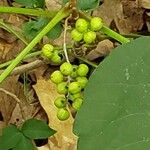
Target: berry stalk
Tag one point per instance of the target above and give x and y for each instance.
(59, 16)
(114, 35)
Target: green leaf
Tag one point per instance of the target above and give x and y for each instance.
(10, 137)
(55, 32)
(25, 144)
(85, 4)
(32, 28)
(32, 3)
(36, 129)
(116, 110)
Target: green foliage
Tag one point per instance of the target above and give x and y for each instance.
(24, 144)
(33, 27)
(11, 136)
(15, 139)
(85, 4)
(32, 3)
(36, 129)
(115, 113)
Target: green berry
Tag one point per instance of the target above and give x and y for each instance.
(63, 114)
(74, 87)
(89, 37)
(76, 35)
(66, 68)
(81, 25)
(62, 88)
(77, 103)
(75, 96)
(96, 24)
(82, 81)
(56, 58)
(60, 102)
(74, 71)
(47, 50)
(82, 70)
(57, 77)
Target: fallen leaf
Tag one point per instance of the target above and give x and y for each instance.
(103, 49)
(7, 102)
(126, 14)
(64, 139)
(53, 4)
(144, 3)
(129, 17)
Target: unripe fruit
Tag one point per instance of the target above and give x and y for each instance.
(75, 96)
(62, 88)
(76, 35)
(63, 114)
(96, 24)
(56, 58)
(47, 50)
(57, 77)
(81, 25)
(89, 37)
(74, 71)
(82, 81)
(66, 68)
(49, 47)
(82, 70)
(77, 103)
(60, 102)
(74, 87)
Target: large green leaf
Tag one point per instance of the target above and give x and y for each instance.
(36, 129)
(116, 110)
(10, 137)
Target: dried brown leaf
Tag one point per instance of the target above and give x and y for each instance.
(127, 15)
(129, 18)
(103, 49)
(144, 3)
(64, 139)
(53, 4)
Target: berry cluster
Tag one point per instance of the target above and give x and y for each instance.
(49, 52)
(85, 30)
(70, 81)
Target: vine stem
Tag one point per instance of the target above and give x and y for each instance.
(87, 61)
(27, 11)
(114, 35)
(59, 16)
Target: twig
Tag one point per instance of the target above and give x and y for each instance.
(16, 99)
(27, 67)
(10, 94)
